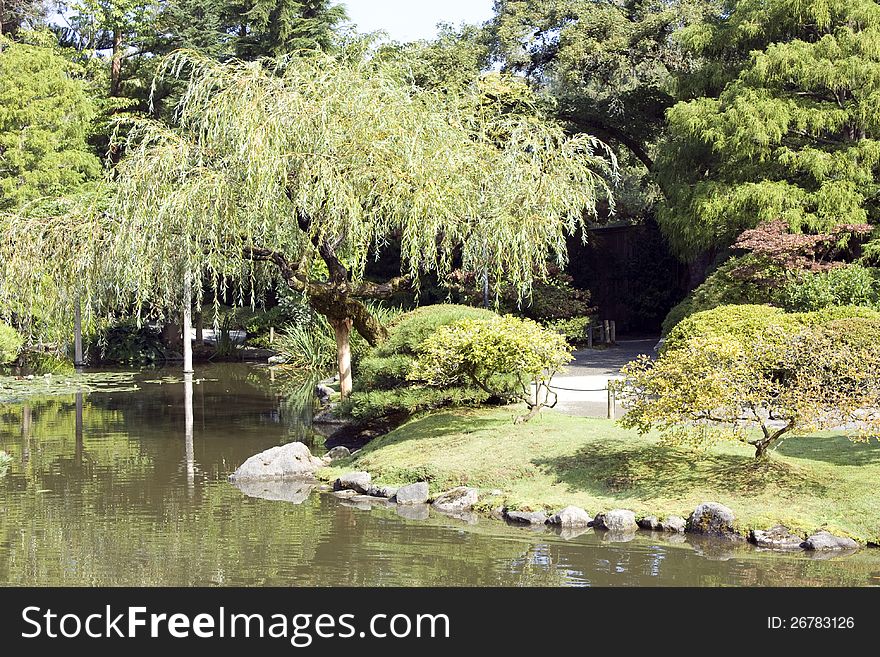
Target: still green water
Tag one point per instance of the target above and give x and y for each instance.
(106, 488)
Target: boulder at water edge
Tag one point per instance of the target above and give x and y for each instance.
(570, 516)
(338, 452)
(526, 517)
(775, 538)
(456, 500)
(712, 519)
(290, 461)
(675, 524)
(412, 494)
(620, 521)
(359, 481)
(827, 541)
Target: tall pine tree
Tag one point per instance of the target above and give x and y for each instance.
(782, 122)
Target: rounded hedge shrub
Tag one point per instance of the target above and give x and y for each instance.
(749, 324)
(387, 365)
(10, 344)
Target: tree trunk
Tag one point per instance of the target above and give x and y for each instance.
(342, 329)
(761, 449)
(116, 64)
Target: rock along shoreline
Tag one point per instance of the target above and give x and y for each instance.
(293, 462)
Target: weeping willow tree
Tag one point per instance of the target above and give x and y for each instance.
(300, 170)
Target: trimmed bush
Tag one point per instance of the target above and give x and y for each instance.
(750, 323)
(805, 376)
(10, 344)
(503, 356)
(387, 365)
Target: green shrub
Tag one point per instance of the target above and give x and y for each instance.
(823, 376)
(575, 330)
(365, 405)
(10, 344)
(502, 356)
(128, 343)
(742, 280)
(851, 285)
(750, 323)
(745, 323)
(387, 365)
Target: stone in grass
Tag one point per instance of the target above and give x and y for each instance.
(775, 538)
(712, 519)
(525, 517)
(359, 481)
(456, 500)
(413, 493)
(570, 516)
(619, 521)
(674, 524)
(824, 540)
(290, 461)
(338, 452)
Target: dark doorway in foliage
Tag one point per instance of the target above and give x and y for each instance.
(632, 277)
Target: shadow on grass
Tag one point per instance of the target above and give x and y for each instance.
(834, 449)
(617, 468)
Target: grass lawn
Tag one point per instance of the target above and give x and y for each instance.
(823, 481)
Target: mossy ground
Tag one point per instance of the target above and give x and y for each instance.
(824, 481)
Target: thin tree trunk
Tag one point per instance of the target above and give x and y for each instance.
(187, 324)
(342, 329)
(116, 64)
(77, 334)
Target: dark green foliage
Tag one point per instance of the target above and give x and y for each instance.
(128, 343)
(741, 280)
(408, 400)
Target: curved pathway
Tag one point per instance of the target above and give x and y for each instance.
(581, 386)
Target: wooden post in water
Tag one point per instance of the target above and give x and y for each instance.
(188, 430)
(77, 334)
(187, 324)
(78, 429)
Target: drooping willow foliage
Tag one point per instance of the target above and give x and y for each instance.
(305, 168)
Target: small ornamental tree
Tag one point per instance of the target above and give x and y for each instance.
(821, 377)
(506, 357)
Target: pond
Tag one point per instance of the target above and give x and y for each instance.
(105, 488)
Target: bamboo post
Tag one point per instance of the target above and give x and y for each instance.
(613, 332)
(187, 324)
(77, 334)
(612, 402)
(271, 335)
(607, 326)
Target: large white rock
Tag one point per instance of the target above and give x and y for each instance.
(457, 500)
(570, 516)
(290, 461)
